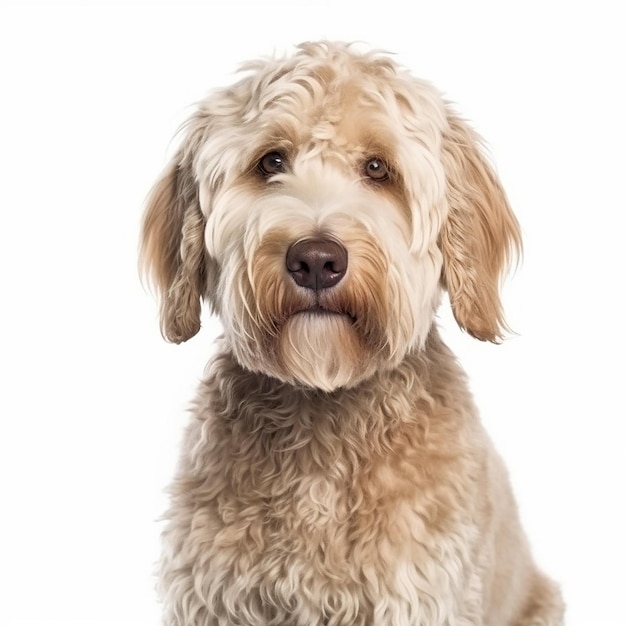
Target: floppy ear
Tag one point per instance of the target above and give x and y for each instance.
(480, 236)
(172, 247)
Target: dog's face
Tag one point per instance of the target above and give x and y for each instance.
(321, 205)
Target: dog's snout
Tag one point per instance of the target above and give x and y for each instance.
(317, 263)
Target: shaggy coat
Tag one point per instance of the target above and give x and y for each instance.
(335, 471)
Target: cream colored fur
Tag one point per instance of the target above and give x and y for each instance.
(335, 471)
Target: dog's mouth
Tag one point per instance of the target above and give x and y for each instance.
(319, 310)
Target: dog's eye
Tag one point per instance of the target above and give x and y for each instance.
(272, 163)
(376, 169)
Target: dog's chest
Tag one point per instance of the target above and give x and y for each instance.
(322, 520)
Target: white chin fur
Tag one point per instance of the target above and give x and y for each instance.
(321, 351)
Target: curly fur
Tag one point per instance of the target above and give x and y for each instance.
(335, 471)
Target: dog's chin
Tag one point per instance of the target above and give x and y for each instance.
(321, 349)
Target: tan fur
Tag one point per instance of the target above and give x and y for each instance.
(479, 236)
(172, 250)
(335, 471)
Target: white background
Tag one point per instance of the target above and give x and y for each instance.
(93, 402)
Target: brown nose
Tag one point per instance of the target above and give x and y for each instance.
(317, 263)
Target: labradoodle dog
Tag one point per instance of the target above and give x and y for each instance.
(335, 471)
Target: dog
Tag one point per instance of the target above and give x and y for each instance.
(335, 471)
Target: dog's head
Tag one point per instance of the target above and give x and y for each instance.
(320, 205)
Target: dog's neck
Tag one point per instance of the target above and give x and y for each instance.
(264, 403)
(253, 427)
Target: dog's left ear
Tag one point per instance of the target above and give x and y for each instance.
(479, 237)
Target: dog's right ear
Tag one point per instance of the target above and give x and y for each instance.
(173, 254)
